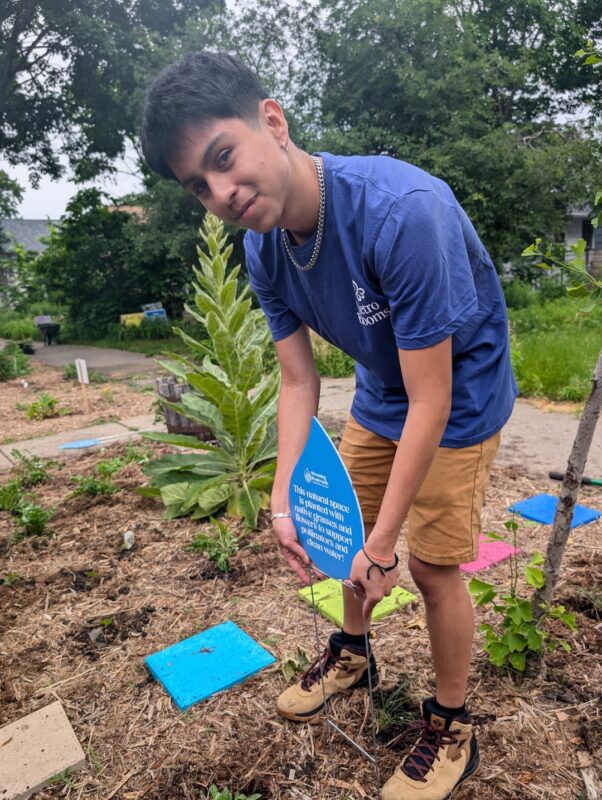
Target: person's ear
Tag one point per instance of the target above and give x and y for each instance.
(272, 115)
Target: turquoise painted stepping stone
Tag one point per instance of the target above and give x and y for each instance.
(542, 508)
(196, 668)
(328, 596)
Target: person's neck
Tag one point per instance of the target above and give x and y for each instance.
(303, 204)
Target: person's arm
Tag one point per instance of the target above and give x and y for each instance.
(427, 376)
(297, 404)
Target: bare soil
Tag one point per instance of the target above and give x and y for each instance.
(85, 613)
(108, 402)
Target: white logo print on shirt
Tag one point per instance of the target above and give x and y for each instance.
(370, 313)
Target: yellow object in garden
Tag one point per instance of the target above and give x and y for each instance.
(131, 319)
(328, 596)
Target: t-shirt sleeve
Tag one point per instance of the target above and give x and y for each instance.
(281, 320)
(424, 269)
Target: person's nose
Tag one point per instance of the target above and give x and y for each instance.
(223, 192)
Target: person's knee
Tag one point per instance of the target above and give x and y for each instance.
(434, 581)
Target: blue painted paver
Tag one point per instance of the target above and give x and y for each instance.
(542, 508)
(196, 668)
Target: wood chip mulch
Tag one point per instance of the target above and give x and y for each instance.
(540, 735)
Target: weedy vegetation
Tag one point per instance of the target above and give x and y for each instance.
(219, 546)
(517, 634)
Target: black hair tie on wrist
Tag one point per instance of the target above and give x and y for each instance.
(379, 567)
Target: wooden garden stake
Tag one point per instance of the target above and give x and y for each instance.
(84, 380)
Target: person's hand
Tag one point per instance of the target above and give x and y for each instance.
(290, 547)
(372, 588)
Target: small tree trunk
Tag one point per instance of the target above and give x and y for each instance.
(569, 492)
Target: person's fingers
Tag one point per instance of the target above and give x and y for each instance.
(296, 566)
(298, 551)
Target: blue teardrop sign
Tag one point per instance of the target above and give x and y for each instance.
(324, 506)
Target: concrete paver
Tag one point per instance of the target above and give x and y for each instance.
(5, 462)
(34, 749)
(48, 446)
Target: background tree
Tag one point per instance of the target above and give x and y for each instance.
(471, 91)
(70, 72)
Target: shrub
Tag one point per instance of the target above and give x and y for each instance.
(33, 470)
(93, 486)
(13, 362)
(45, 408)
(10, 495)
(239, 471)
(518, 294)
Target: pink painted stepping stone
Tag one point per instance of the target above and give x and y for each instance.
(490, 553)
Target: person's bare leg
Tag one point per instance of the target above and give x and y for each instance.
(353, 618)
(450, 621)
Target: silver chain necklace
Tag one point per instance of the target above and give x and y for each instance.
(316, 251)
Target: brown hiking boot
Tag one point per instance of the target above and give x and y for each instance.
(348, 669)
(444, 756)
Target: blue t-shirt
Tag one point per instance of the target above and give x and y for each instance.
(400, 266)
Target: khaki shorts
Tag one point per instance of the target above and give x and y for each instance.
(445, 518)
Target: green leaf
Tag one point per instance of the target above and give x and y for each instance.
(578, 290)
(535, 640)
(526, 610)
(209, 386)
(518, 661)
(237, 413)
(498, 650)
(179, 439)
(535, 577)
(537, 559)
(148, 491)
(475, 586)
(494, 537)
(516, 642)
(515, 614)
(211, 496)
(569, 620)
(250, 503)
(565, 645)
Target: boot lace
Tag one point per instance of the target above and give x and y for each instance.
(426, 750)
(322, 666)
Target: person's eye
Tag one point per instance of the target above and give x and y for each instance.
(223, 158)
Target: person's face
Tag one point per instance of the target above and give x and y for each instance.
(238, 170)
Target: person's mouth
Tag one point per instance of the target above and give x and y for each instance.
(245, 210)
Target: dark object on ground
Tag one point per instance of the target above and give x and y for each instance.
(49, 331)
(27, 348)
(559, 476)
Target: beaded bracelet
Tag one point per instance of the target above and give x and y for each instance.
(380, 568)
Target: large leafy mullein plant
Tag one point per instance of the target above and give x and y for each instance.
(229, 393)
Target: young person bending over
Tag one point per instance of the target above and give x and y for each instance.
(377, 257)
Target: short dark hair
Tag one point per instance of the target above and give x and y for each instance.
(200, 88)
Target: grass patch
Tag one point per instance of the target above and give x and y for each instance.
(555, 349)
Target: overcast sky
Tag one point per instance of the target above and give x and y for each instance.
(50, 199)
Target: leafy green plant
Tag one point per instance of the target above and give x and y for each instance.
(229, 393)
(518, 634)
(295, 663)
(93, 486)
(32, 468)
(45, 408)
(226, 794)
(219, 547)
(109, 467)
(32, 519)
(11, 495)
(13, 362)
(70, 374)
(10, 579)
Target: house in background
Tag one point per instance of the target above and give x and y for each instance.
(579, 226)
(28, 233)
